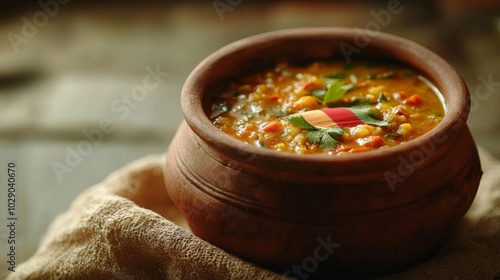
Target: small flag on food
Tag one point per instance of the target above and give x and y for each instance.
(339, 117)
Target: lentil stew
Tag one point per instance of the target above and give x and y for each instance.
(328, 107)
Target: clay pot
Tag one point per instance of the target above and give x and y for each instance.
(349, 216)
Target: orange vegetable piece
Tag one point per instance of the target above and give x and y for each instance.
(273, 127)
(374, 142)
(274, 97)
(312, 85)
(413, 100)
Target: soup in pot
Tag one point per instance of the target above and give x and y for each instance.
(328, 107)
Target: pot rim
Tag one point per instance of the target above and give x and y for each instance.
(441, 73)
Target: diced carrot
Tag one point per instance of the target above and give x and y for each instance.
(312, 85)
(413, 100)
(270, 141)
(274, 97)
(272, 127)
(374, 142)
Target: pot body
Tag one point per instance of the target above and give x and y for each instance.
(350, 222)
(349, 216)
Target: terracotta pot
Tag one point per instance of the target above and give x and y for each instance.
(349, 216)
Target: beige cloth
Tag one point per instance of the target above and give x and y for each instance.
(127, 228)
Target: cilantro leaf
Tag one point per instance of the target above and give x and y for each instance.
(368, 116)
(330, 79)
(334, 76)
(335, 132)
(300, 121)
(382, 98)
(392, 135)
(336, 91)
(348, 67)
(328, 143)
(326, 138)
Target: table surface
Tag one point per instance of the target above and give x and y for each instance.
(71, 105)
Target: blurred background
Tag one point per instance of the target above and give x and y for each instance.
(87, 87)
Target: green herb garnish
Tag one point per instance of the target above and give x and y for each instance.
(300, 121)
(392, 135)
(334, 76)
(348, 67)
(325, 137)
(368, 116)
(382, 98)
(336, 91)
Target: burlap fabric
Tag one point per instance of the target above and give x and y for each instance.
(127, 228)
